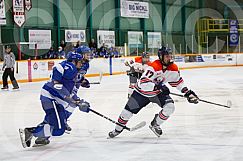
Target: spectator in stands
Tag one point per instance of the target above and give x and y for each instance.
(51, 54)
(8, 68)
(61, 53)
(134, 53)
(93, 45)
(116, 53)
(77, 44)
(103, 51)
(94, 53)
(111, 51)
(63, 45)
(93, 48)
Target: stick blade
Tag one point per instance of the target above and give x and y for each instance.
(229, 103)
(138, 126)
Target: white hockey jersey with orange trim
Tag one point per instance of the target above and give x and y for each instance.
(154, 74)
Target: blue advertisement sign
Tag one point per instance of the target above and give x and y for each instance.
(233, 33)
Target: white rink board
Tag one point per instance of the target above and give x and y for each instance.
(39, 68)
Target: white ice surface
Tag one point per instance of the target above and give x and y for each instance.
(201, 132)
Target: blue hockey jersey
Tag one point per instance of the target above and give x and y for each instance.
(63, 75)
(79, 79)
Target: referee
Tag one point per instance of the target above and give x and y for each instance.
(8, 68)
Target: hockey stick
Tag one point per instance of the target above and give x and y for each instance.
(138, 126)
(229, 103)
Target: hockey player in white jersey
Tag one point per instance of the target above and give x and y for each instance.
(136, 69)
(55, 98)
(151, 88)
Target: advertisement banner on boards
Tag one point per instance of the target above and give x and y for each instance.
(18, 12)
(41, 37)
(107, 37)
(154, 39)
(135, 9)
(135, 39)
(2, 13)
(75, 35)
(233, 33)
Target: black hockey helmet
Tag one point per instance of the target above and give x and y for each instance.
(145, 55)
(164, 51)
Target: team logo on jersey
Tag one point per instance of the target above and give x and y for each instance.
(66, 67)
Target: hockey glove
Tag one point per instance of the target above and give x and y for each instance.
(191, 97)
(85, 83)
(84, 106)
(165, 90)
(129, 62)
(134, 74)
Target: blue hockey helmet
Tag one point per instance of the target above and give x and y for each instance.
(74, 56)
(164, 51)
(83, 49)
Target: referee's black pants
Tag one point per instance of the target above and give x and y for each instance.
(8, 72)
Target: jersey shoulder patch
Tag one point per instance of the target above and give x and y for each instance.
(156, 65)
(173, 67)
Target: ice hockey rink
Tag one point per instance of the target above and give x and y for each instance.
(201, 132)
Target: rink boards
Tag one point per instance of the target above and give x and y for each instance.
(39, 70)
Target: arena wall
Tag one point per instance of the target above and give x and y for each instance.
(39, 70)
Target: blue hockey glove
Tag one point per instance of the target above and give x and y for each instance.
(161, 86)
(84, 106)
(191, 97)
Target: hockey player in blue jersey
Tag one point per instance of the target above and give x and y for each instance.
(85, 52)
(56, 96)
(80, 80)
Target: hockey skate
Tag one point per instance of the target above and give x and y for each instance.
(26, 136)
(15, 88)
(114, 133)
(68, 128)
(41, 141)
(155, 127)
(4, 88)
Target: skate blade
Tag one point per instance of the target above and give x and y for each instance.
(5, 89)
(15, 90)
(67, 132)
(38, 145)
(152, 129)
(22, 138)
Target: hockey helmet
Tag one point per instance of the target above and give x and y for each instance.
(74, 56)
(162, 52)
(145, 55)
(83, 49)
